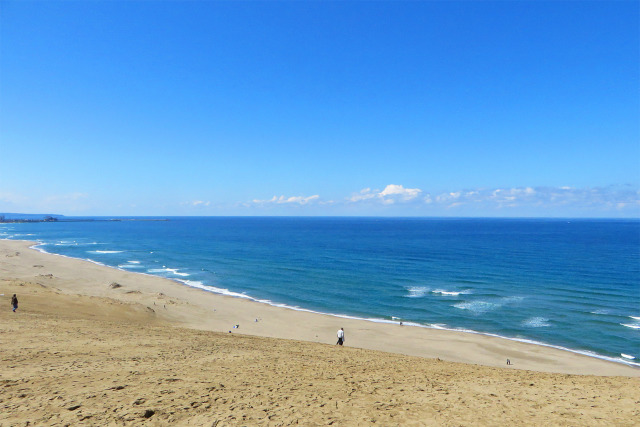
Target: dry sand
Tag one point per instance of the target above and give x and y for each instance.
(149, 351)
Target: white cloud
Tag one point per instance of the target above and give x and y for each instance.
(365, 194)
(392, 193)
(399, 190)
(449, 198)
(510, 195)
(540, 201)
(196, 203)
(300, 200)
(599, 198)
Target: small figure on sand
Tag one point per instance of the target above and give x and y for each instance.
(508, 362)
(14, 302)
(340, 337)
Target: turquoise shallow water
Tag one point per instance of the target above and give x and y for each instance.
(568, 283)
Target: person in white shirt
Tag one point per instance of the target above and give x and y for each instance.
(340, 337)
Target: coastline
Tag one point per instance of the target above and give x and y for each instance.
(408, 324)
(178, 304)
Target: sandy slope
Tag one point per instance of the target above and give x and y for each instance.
(64, 360)
(80, 351)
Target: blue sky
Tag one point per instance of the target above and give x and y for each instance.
(473, 108)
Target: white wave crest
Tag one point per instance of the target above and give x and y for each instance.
(627, 356)
(450, 293)
(441, 326)
(635, 318)
(417, 291)
(105, 252)
(200, 285)
(536, 322)
(173, 271)
(632, 326)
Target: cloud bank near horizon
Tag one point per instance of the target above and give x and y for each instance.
(615, 200)
(393, 199)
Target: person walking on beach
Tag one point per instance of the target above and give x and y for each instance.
(14, 302)
(340, 336)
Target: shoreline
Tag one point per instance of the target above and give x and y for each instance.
(232, 294)
(224, 292)
(198, 308)
(389, 322)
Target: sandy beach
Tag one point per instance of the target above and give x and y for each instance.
(92, 345)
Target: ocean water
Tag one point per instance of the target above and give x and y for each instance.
(573, 284)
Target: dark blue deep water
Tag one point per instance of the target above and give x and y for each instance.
(567, 283)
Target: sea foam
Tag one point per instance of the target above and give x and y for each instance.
(173, 271)
(133, 266)
(477, 307)
(450, 293)
(481, 307)
(536, 322)
(417, 291)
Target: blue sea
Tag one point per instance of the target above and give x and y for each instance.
(568, 283)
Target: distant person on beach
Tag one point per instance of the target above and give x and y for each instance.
(14, 302)
(340, 337)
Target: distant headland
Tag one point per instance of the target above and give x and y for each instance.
(8, 218)
(17, 218)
